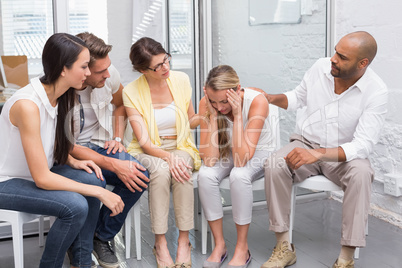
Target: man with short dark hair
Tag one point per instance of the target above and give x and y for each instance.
(99, 123)
(343, 105)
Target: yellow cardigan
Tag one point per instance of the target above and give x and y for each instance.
(137, 95)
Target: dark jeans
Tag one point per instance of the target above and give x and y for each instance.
(76, 215)
(107, 226)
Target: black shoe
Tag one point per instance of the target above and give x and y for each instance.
(104, 253)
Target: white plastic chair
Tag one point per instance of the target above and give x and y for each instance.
(315, 183)
(17, 220)
(133, 215)
(258, 184)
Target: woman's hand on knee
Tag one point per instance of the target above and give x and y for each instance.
(87, 165)
(179, 168)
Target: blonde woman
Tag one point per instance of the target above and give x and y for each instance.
(234, 142)
(160, 110)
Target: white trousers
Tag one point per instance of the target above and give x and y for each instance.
(241, 192)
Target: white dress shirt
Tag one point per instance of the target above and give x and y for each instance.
(352, 120)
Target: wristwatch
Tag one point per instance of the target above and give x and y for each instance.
(118, 139)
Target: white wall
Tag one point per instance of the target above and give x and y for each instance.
(273, 57)
(254, 48)
(383, 21)
(121, 16)
(120, 23)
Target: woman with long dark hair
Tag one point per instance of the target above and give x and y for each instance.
(34, 135)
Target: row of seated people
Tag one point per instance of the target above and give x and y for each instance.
(62, 143)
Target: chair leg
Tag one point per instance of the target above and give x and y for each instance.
(357, 251)
(212, 241)
(18, 247)
(52, 219)
(366, 231)
(196, 210)
(292, 212)
(41, 231)
(127, 234)
(137, 228)
(204, 230)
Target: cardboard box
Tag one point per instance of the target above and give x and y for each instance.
(16, 70)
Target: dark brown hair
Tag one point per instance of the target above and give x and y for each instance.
(142, 51)
(61, 50)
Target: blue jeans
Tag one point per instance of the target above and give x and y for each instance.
(107, 226)
(76, 215)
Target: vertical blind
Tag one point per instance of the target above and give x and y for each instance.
(26, 25)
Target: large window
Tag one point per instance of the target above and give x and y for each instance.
(26, 25)
(88, 15)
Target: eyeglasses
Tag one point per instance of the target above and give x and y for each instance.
(166, 60)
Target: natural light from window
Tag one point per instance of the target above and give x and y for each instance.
(25, 25)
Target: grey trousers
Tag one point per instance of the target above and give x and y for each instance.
(355, 177)
(161, 182)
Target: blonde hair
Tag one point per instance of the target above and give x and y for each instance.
(222, 77)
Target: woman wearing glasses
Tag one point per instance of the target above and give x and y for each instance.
(161, 114)
(234, 141)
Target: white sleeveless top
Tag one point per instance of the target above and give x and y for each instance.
(13, 163)
(265, 140)
(165, 119)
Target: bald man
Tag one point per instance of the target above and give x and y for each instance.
(342, 106)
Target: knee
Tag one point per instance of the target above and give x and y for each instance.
(360, 173)
(207, 178)
(240, 177)
(133, 159)
(146, 173)
(161, 176)
(273, 166)
(93, 180)
(75, 210)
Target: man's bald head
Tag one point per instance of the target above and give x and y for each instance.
(365, 44)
